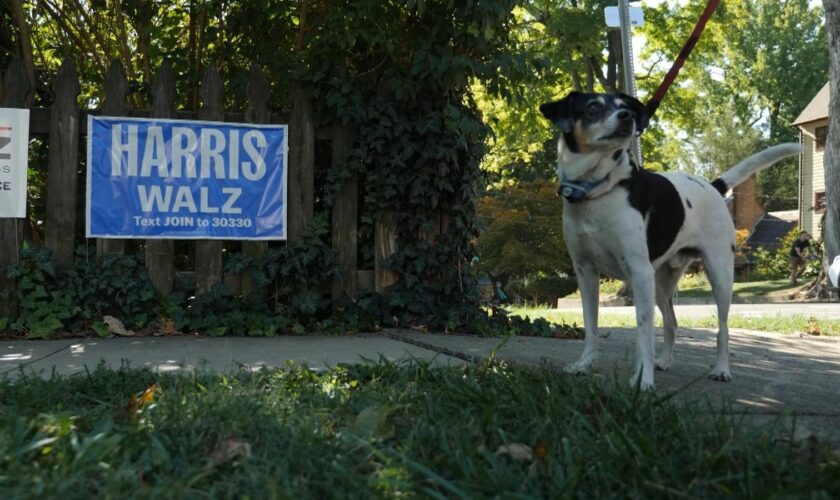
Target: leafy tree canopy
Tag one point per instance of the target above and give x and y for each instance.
(522, 234)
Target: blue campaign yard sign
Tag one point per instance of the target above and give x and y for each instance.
(178, 179)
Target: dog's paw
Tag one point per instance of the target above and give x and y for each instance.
(720, 374)
(580, 367)
(663, 364)
(644, 385)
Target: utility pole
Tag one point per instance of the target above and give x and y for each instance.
(627, 66)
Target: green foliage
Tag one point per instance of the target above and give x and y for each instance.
(45, 304)
(290, 286)
(776, 265)
(52, 301)
(115, 285)
(542, 288)
(757, 66)
(722, 141)
(523, 231)
(427, 87)
(297, 273)
(404, 86)
(398, 73)
(385, 431)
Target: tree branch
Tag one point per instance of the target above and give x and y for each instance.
(82, 44)
(25, 42)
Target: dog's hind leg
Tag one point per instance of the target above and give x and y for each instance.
(720, 271)
(667, 278)
(588, 282)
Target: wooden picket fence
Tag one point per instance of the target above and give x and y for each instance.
(64, 123)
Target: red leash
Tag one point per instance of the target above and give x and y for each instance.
(653, 103)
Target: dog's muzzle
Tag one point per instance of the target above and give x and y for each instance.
(577, 191)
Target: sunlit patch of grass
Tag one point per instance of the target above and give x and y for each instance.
(777, 324)
(697, 285)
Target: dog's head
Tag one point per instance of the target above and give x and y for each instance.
(595, 122)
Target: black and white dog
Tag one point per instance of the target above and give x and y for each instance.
(646, 228)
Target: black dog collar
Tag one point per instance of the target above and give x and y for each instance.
(577, 191)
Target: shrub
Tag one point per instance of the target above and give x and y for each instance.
(776, 265)
(541, 288)
(291, 295)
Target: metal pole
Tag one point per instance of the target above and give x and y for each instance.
(628, 70)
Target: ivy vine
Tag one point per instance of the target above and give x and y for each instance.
(404, 87)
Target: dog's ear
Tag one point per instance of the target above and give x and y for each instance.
(639, 109)
(561, 113)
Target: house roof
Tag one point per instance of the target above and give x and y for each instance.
(817, 109)
(786, 215)
(771, 228)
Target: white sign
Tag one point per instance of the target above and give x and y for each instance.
(14, 160)
(613, 18)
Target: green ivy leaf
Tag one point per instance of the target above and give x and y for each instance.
(217, 331)
(100, 328)
(373, 423)
(44, 329)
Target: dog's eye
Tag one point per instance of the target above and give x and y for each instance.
(593, 108)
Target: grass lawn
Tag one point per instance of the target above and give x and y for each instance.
(385, 431)
(743, 288)
(696, 285)
(778, 324)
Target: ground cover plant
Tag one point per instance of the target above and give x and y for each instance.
(384, 430)
(291, 295)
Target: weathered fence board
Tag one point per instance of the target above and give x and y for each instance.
(116, 91)
(208, 253)
(67, 126)
(385, 241)
(345, 214)
(16, 88)
(256, 112)
(160, 254)
(301, 164)
(60, 230)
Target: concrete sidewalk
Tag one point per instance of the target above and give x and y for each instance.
(772, 374)
(172, 354)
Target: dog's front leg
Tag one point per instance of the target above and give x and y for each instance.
(641, 279)
(588, 282)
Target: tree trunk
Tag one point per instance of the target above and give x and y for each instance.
(832, 146)
(16, 7)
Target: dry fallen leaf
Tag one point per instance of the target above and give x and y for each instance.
(230, 449)
(517, 451)
(813, 327)
(136, 404)
(116, 327)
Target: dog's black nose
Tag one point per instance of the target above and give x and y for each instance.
(625, 115)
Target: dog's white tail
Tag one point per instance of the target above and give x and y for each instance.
(748, 166)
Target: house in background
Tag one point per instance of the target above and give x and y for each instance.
(813, 129)
(766, 229)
